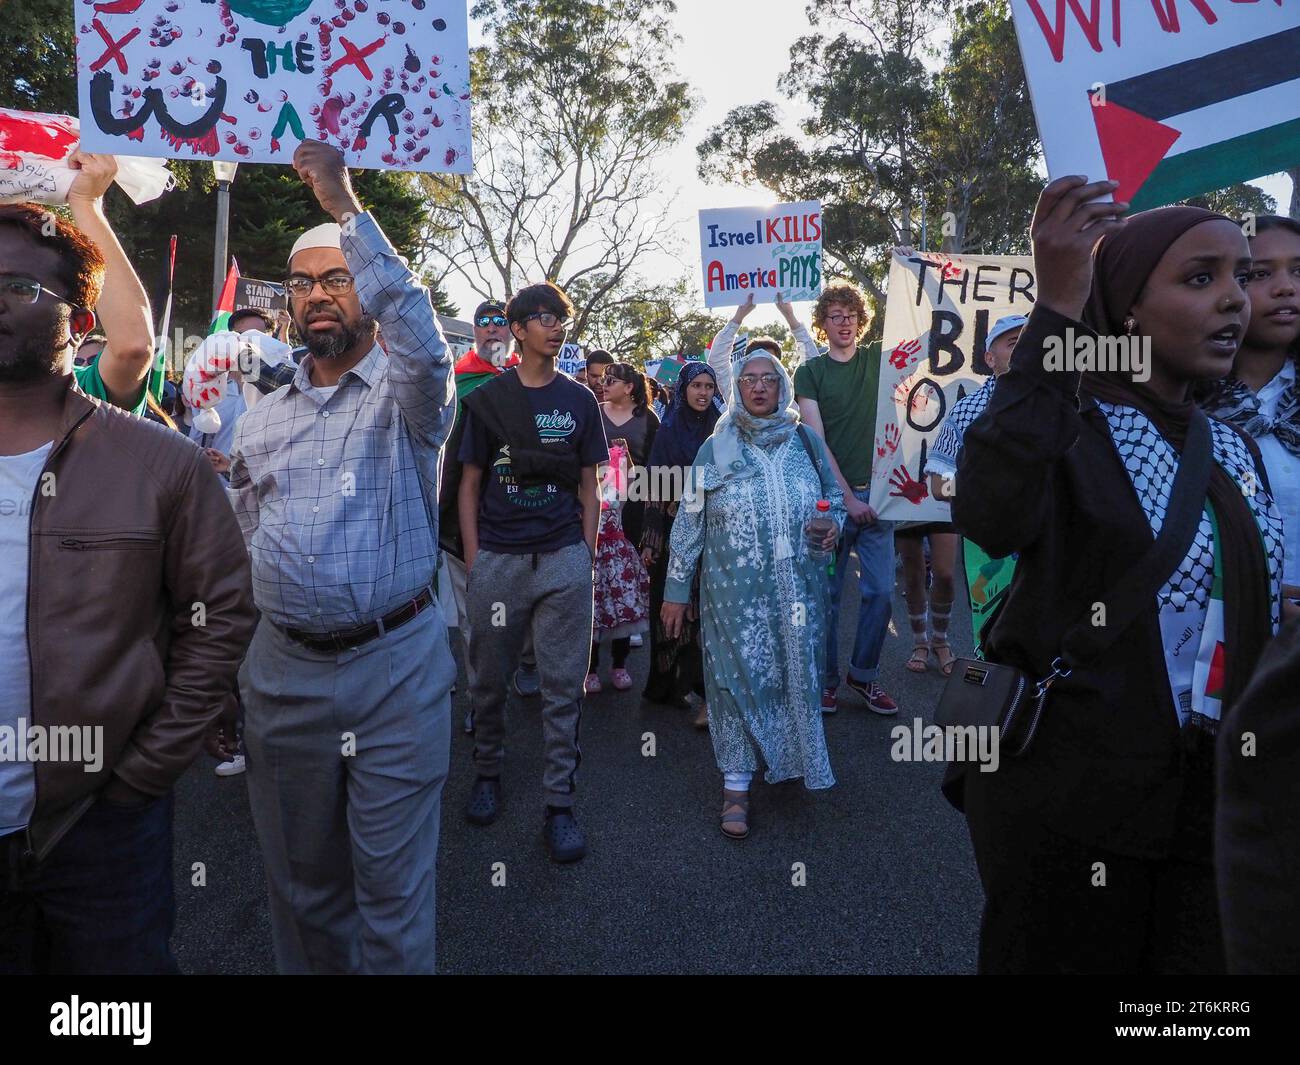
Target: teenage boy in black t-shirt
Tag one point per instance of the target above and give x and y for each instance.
(530, 543)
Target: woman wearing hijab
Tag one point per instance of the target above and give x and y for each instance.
(743, 526)
(676, 664)
(1260, 397)
(1094, 845)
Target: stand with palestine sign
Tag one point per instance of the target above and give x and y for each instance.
(1171, 99)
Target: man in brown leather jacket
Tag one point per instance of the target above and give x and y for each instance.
(125, 609)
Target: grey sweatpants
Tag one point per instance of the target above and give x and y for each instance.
(550, 596)
(347, 756)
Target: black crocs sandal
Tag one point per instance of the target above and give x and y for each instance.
(484, 801)
(563, 838)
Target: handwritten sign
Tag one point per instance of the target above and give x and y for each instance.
(1172, 100)
(385, 81)
(571, 360)
(763, 251)
(937, 314)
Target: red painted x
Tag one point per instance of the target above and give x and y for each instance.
(351, 55)
(114, 49)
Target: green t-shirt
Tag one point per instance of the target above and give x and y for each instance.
(846, 395)
(89, 381)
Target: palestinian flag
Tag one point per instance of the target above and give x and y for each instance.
(226, 304)
(471, 371)
(158, 375)
(1162, 132)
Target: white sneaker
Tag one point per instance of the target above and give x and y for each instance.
(635, 640)
(232, 768)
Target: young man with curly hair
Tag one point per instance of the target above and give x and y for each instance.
(837, 398)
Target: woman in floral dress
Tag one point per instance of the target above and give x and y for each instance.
(622, 592)
(742, 525)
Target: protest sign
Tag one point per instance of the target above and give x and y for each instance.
(34, 152)
(937, 315)
(988, 580)
(571, 360)
(761, 251)
(385, 81)
(1175, 100)
(265, 296)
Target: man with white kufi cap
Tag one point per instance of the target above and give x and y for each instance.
(347, 684)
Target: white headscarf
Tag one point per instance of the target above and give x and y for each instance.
(738, 426)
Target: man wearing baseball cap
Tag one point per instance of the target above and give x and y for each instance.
(347, 684)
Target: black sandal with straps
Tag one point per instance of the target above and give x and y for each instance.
(735, 813)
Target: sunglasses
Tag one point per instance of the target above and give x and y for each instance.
(485, 320)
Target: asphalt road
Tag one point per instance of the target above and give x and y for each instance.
(889, 879)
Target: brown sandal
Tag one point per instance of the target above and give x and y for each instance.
(945, 664)
(919, 665)
(735, 813)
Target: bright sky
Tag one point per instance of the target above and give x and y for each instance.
(732, 53)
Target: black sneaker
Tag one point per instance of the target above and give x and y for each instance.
(484, 801)
(528, 681)
(562, 836)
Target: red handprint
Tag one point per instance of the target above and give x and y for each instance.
(888, 444)
(905, 354)
(912, 491)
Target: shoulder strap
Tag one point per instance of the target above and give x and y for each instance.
(805, 438)
(1128, 597)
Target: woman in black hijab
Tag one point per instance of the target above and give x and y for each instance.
(1094, 847)
(676, 665)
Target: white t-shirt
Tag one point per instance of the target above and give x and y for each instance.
(19, 475)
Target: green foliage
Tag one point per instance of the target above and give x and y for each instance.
(575, 101)
(887, 137)
(269, 206)
(37, 71)
(1237, 201)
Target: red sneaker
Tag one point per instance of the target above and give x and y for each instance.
(878, 700)
(828, 701)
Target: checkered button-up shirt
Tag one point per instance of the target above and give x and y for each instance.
(337, 494)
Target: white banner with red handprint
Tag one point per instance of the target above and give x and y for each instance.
(938, 312)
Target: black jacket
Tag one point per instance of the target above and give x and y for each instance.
(1039, 474)
(1257, 836)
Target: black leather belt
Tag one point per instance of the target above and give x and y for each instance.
(346, 639)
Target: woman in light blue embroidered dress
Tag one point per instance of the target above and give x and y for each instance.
(756, 483)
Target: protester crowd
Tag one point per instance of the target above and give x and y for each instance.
(386, 494)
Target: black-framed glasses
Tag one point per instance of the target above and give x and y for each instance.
(842, 319)
(549, 320)
(749, 380)
(28, 290)
(485, 320)
(334, 285)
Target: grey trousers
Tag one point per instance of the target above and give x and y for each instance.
(347, 756)
(550, 596)
(454, 569)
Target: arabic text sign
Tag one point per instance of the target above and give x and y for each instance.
(386, 81)
(763, 251)
(1170, 100)
(938, 312)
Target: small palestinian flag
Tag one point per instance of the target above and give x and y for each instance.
(1162, 133)
(226, 304)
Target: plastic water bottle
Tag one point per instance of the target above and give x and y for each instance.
(818, 526)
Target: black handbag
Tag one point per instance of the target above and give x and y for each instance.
(988, 694)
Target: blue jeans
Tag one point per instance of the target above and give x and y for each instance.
(100, 903)
(874, 545)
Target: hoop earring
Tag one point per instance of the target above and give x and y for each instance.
(1130, 325)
